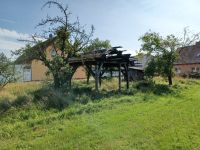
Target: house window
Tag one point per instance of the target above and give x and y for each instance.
(53, 52)
(195, 69)
(178, 70)
(198, 55)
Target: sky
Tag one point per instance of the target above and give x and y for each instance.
(122, 22)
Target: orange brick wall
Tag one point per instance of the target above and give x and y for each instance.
(80, 73)
(186, 68)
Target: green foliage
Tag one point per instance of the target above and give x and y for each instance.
(194, 75)
(22, 100)
(84, 99)
(51, 98)
(164, 53)
(151, 69)
(5, 104)
(6, 71)
(152, 87)
(98, 44)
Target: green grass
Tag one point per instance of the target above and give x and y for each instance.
(148, 117)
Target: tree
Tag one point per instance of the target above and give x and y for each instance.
(189, 37)
(96, 44)
(164, 51)
(67, 38)
(6, 71)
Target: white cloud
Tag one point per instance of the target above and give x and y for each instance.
(11, 34)
(7, 20)
(9, 40)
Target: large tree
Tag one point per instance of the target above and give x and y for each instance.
(164, 52)
(68, 39)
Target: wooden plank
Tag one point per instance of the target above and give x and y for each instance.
(96, 79)
(119, 77)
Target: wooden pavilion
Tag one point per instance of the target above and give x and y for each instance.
(99, 61)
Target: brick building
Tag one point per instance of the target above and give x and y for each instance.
(189, 60)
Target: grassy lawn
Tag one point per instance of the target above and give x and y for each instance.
(163, 118)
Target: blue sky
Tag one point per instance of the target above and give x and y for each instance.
(120, 21)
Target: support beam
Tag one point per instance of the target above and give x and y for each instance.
(127, 75)
(89, 68)
(73, 71)
(96, 79)
(98, 68)
(120, 78)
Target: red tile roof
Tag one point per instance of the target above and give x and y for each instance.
(189, 54)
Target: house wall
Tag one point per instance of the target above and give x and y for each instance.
(186, 69)
(80, 73)
(38, 70)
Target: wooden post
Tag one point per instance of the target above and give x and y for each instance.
(70, 78)
(96, 79)
(127, 76)
(100, 80)
(120, 78)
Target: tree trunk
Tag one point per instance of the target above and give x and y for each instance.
(88, 77)
(170, 80)
(56, 81)
(100, 80)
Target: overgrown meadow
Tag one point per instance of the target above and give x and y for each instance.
(150, 115)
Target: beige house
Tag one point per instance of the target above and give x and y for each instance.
(35, 70)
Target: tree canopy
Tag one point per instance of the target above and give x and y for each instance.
(6, 71)
(164, 51)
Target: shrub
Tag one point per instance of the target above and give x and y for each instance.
(22, 100)
(194, 75)
(161, 89)
(5, 105)
(56, 100)
(130, 91)
(52, 98)
(82, 90)
(145, 86)
(84, 99)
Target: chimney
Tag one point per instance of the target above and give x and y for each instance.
(50, 36)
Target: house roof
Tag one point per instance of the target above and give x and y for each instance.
(189, 54)
(27, 57)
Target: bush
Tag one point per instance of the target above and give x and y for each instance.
(130, 91)
(22, 100)
(5, 105)
(51, 98)
(195, 75)
(145, 86)
(84, 99)
(160, 89)
(82, 90)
